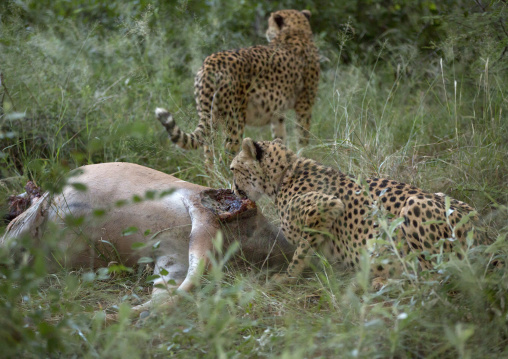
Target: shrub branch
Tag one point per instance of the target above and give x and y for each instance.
(6, 92)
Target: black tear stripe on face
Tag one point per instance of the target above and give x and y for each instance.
(259, 151)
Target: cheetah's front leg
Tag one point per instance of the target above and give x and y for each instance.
(299, 262)
(235, 130)
(303, 114)
(278, 128)
(313, 213)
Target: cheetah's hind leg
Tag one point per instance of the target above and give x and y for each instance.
(426, 224)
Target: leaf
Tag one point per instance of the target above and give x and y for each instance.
(107, 242)
(144, 260)
(118, 268)
(163, 272)
(99, 212)
(157, 245)
(395, 223)
(152, 278)
(447, 206)
(39, 265)
(88, 276)
(129, 231)
(365, 188)
(402, 316)
(137, 245)
(166, 193)
(218, 242)
(79, 186)
(150, 194)
(433, 221)
(310, 230)
(121, 203)
(8, 135)
(72, 221)
(102, 274)
(498, 244)
(465, 219)
(470, 238)
(233, 247)
(15, 116)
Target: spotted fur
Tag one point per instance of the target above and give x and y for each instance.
(323, 209)
(255, 86)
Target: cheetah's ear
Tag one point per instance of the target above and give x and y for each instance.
(306, 13)
(248, 147)
(278, 141)
(252, 149)
(279, 20)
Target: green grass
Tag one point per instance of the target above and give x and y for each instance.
(88, 91)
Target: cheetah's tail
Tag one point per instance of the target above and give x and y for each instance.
(184, 140)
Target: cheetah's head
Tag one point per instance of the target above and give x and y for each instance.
(258, 168)
(287, 19)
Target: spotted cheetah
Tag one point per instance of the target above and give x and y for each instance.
(323, 209)
(254, 86)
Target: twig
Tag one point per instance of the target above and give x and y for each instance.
(502, 54)
(3, 95)
(506, 33)
(480, 5)
(31, 94)
(502, 26)
(6, 92)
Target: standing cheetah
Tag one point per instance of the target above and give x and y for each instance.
(255, 86)
(323, 209)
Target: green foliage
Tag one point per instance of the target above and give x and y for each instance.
(413, 90)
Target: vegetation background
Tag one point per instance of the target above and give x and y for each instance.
(412, 90)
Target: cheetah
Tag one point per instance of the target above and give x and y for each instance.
(254, 86)
(323, 209)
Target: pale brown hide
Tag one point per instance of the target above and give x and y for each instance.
(178, 221)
